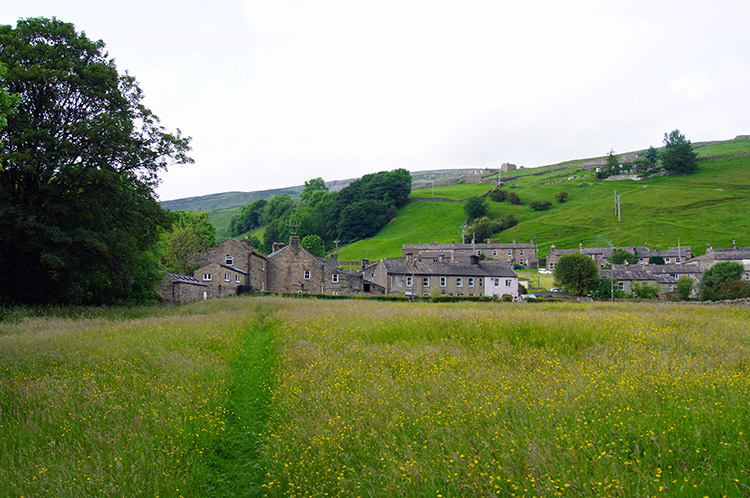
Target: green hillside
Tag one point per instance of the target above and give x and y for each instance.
(711, 206)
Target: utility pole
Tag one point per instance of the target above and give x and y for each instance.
(615, 202)
(619, 207)
(536, 251)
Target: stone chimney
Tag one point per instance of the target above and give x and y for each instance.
(645, 244)
(365, 263)
(734, 244)
(277, 245)
(709, 248)
(294, 240)
(474, 259)
(580, 248)
(409, 257)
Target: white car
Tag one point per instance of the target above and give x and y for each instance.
(544, 271)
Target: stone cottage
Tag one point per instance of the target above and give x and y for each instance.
(176, 288)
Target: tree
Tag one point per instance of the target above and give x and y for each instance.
(509, 222)
(577, 273)
(652, 155)
(314, 191)
(475, 207)
(678, 155)
(605, 290)
(314, 245)
(561, 196)
(8, 102)
(619, 257)
(514, 198)
(498, 195)
(655, 260)
(191, 234)
(483, 228)
(540, 205)
(78, 168)
(717, 284)
(684, 287)
(644, 290)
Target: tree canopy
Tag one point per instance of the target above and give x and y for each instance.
(577, 273)
(78, 166)
(723, 281)
(678, 155)
(620, 256)
(475, 207)
(191, 234)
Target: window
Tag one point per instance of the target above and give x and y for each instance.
(227, 276)
(510, 252)
(508, 283)
(459, 282)
(307, 274)
(425, 281)
(667, 260)
(494, 253)
(408, 281)
(677, 260)
(521, 253)
(206, 277)
(238, 279)
(497, 282)
(443, 281)
(229, 260)
(335, 278)
(479, 252)
(621, 286)
(481, 282)
(471, 281)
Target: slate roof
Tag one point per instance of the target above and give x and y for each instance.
(464, 247)
(732, 254)
(185, 279)
(637, 275)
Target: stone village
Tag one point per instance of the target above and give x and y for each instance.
(474, 269)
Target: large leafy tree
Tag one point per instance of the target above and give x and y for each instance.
(191, 234)
(577, 273)
(78, 166)
(724, 281)
(678, 155)
(8, 102)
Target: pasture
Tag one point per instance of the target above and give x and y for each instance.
(298, 397)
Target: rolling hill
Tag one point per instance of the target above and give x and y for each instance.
(711, 206)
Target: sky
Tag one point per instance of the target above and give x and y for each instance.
(276, 92)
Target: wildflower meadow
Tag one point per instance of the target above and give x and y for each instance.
(300, 397)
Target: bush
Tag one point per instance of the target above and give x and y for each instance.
(655, 260)
(561, 196)
(645, 290)
(475, 207)
(619, 257)
(514, 198)
(498, 195)
(712, 288)
(540, 205)
(684, 286)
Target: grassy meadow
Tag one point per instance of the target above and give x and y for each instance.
(297, 397)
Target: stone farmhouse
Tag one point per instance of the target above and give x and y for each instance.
(625, 279)
(735, 254)
(232, 267)
(293, 269)
(413, 276)
(515, 253)
(598, 164)
(601, 255)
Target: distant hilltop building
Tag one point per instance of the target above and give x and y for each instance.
(506, 167)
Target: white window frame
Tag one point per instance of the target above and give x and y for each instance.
(481, 282)
(207, 277)
(494, 253)
(459, 282)
(335, 278)
(229, 260)
(621, 286)
(521, 252)
(443, 281)
(409, 282)
(238, 279)
(508, 282)
(227, 276)
(497, 281)
(425, 281)
(479, 252)
(471, 281)
(307, 275)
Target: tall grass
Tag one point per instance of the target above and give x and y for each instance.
(274, 397)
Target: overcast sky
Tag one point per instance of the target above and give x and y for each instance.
(275, 92)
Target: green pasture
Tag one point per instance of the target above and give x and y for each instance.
(415, 222)
(297, 397)
(456, 192)
(732, 147)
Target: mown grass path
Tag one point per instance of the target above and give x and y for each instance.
(236, 468)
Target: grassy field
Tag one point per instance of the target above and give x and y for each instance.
(272, 397)
(456, 192)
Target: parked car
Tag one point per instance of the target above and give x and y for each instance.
(545, 271)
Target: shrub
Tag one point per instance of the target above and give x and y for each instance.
(540, 205)
(645, 290)
(514, 198)
(619, 257)
(498, 195)
(561, 196)
(655, 260)
(577, 273)
(684, 286)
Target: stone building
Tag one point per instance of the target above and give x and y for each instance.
(602, 255)
(735, 254)
(506, 167)
(413, 276)
(236, 258)
(222, 280)
(515, 253)
(293, 269)
(176, 288)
